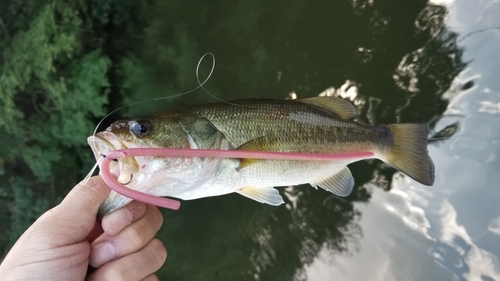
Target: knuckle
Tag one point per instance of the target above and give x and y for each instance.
(157, 217)
(116, 272)
(158, 252)
(136, 237)
(93, 183)
(151, 277)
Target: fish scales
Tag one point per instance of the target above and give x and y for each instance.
(311, 125)
(298, 127)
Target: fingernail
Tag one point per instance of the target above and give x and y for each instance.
(118, 220)
(101, 254)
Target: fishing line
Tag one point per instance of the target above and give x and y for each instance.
(89, 175)
(206, 91)
(200, 85)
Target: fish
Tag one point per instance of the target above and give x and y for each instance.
(310, 125)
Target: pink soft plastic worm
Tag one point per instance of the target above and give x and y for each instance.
(172, 152)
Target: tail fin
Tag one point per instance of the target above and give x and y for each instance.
(409, 153)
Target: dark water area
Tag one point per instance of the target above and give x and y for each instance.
(397, 61)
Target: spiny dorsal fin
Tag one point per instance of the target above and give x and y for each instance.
(340, 184)
(268, 195)
(344, 109)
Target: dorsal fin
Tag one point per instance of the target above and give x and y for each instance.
(344, 109)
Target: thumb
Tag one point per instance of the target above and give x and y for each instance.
(79, 208)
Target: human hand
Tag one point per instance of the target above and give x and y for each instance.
(62, 243)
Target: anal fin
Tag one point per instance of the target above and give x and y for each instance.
(340, 184)
(268, 195)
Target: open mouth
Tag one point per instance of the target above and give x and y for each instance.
(100, 146)
(125, 171)
(124, 168)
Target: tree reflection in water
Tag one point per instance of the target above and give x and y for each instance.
(397, 59)
(392, 58)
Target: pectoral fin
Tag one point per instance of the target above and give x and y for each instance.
(340, 184)
(268, 195)
(265, 143)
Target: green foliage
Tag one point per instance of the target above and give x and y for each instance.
(52, 86)
(26, 207)
(109, 11)
(165, 65)
(49, 89)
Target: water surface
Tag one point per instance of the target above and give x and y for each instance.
(418, 62)
(398, 62)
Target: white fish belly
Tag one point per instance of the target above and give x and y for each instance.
(230, 177)
(226, 179)
(267, 173)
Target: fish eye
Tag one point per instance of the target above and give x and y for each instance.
(142, 128)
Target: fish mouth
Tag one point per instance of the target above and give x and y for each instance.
(122, 169)
(102, 144)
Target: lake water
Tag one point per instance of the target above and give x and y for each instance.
(398, 61)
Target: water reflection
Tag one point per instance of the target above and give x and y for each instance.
(458, 252)
(448, 231)
(257, 241)
(443, 134)
(394, 61)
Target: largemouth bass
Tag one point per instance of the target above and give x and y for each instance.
(311, 125)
